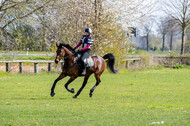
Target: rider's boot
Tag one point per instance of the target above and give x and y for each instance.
(83, 68)
(84, 71)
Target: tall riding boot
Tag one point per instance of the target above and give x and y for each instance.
(83, 69)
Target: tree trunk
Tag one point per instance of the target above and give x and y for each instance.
(171, 41)
(182, 43)
(163, 44)
(147, 40)
(95, 27)
(43, 31)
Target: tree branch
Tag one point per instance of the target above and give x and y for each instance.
(31, 12)
(11, 6)
(3, 3)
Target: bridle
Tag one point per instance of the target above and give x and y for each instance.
(63, 57)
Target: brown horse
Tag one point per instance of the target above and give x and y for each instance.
(72, 69)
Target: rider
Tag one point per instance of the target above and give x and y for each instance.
(86, 42)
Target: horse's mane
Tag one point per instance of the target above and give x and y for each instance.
(67, 46)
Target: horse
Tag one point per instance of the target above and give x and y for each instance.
(72, 69)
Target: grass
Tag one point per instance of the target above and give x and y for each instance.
(18, 57)
(9, 58)
(24, 52)
(157, 52)
(137, 98)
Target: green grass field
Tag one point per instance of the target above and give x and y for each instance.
(124, 99)
(10, 58)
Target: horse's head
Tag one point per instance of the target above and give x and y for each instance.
(62, 50)
(60, 53)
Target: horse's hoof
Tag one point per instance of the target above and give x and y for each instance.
(72, 90)
(90, 94)
(52, 94)
(75, 96)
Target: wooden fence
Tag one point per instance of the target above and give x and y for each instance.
(35, 62)
(161, 60)
(128, 62)
(131, 61)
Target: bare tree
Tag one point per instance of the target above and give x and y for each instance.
(187, 45)
(163, 29)
(146, 32)
(172, 30)
(180, 11)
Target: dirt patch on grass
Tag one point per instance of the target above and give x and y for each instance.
(14, 68)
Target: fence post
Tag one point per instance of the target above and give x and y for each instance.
(7, 67)
(35, 67)
(20, 67)
(49, 67)
(127, 64)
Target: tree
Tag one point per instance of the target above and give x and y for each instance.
(13, 11)
(187, 46)
(146, 32)
(6, 6)
(65, 21)
(172, 30)
(163, 29)
(25, 37)
(180, 11)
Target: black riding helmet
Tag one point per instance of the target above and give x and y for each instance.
(88, 30)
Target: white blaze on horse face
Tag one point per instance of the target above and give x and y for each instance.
(57, 58)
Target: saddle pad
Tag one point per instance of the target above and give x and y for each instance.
(89, 62)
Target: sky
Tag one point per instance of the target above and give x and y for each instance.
(158, 13)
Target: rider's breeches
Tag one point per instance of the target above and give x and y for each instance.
(85, 55)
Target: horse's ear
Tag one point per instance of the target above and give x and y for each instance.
(57, 45)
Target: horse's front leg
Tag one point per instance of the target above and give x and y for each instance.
(61, 76)
(68, 82)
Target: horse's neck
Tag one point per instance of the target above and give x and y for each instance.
(69, 55)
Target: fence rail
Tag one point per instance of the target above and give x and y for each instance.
(7, 63)
(160, 59)
(128, 62)
(131, 61)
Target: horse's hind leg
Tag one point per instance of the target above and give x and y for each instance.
(83, 85)
(97, 83)
(61, 76)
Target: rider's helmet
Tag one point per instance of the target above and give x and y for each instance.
(88, 30)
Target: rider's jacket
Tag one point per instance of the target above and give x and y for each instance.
(86, 42)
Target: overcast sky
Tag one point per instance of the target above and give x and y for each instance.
(158, 13)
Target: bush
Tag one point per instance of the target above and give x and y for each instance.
(178, 66)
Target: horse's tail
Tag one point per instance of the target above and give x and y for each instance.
(110, 62)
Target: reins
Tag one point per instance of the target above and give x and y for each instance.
(62, 57)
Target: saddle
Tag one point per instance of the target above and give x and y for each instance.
(88, 61)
